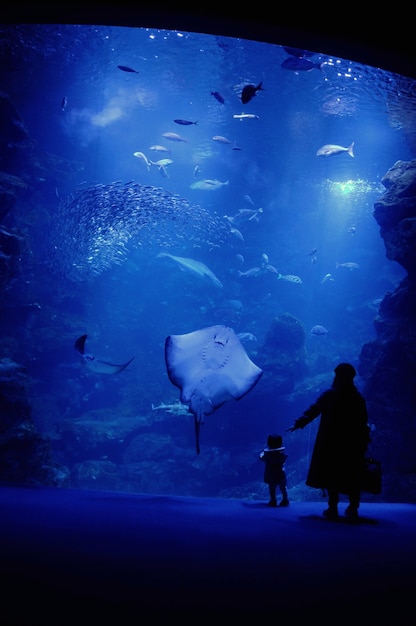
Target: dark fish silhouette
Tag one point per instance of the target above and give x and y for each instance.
(184, 122)
(64, 103)
(300, 64)
(125, 68)
(218, 96)
(249, 91)
(297, 52)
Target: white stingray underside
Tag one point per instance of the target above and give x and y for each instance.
(210, 366)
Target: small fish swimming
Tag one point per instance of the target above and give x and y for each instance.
(140, 155)
(244, 215)
(327, 278)
(221, 139)
(318, 330)
(244, 337)
(218, 96)
(300, 64)
(290, 278)
(246, 116)
(332, 149)
(298, 52)
(174, 137)
(125, 68)
(348, 265)
(197, 171)
(237, 233)
(253, 272)
(64, 103)
(158, 148)
(185, 122)
(161, 162)
(177, 408)
(248, 199)
(162, 166)
(208, 184)
(249, 91)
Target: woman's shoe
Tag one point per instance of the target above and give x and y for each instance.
(284, 502)
(331, 513)
(272, 503)
(351, 512)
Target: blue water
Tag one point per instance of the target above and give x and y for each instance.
(91, 266)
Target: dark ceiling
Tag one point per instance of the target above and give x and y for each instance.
(376, 39)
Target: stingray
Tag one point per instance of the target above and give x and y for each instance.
(210, 366)
(100, 367)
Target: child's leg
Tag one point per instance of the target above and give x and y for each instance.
(283, 489)
(272, 492)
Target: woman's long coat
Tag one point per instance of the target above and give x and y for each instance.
(341, 442)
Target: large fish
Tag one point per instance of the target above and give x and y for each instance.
(174, 137)
(140, 155)
(221, 139)
(196, 268)
(246, 116)
(218, 96)
(300, 64)
(208, 185)
(290, 278)
(126, 68)
(96, 365)
(249, 91)
(332, 149)
(185, 122)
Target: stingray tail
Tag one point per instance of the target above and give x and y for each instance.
(197, 422)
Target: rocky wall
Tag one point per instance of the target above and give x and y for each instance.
(388, 364)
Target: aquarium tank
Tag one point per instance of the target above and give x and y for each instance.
(195, 229)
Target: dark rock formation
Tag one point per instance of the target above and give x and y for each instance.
(284, 353)
(388, 364)
(25, 455)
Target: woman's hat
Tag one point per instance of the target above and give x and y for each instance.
(345, 371)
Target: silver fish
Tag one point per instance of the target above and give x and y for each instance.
(318, 330)
(251, 273)
(208, 185)
(140, 155)
(237, 233)
(243, 337)
(158, 148)
(177, 408)
(246, 116)
(174, 137)
(326, 278)
(221, 139)
(348, 265)
(332, 149)
(290, 278)
(161, 162)
(244, 215)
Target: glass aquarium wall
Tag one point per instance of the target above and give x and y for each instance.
(168, 195)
